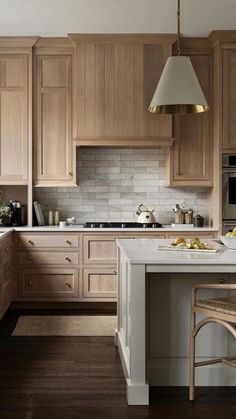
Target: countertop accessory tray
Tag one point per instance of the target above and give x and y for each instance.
(179, 249)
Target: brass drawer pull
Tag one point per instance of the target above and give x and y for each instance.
(222, 281)
(67, 241)
(68, 284)
(115, 272)
(30, 258)
(29, 283)
(30, 242)
(68, 259)
(7, 249)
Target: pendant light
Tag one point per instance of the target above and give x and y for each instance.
(178, 90)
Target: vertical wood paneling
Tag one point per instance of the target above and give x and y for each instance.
(229, 99)
(99, 90)
(89, 90)
(80, 94)
(109, 108)
(115, 84)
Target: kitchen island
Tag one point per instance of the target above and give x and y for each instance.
(153, 314)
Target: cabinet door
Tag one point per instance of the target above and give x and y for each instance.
(13, 119)
(100, 282)
(53, 146)
(99, 250)
(48, 282)
(229, 99)
(190, 155)
(115, 85)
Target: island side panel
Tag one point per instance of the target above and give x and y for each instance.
(132, 330)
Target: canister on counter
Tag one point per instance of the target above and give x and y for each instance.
(179, 217)
(188, 217)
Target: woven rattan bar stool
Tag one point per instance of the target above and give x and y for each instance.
(221, 311)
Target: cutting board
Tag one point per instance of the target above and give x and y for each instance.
(179, 249)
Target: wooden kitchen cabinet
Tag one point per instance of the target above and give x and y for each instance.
(54, 153)
(116, 76)
(48, 282)
(7, 273)
(190, 157)
(228, 98)
(99, 249)
(48, 266)
(15, 108)
(100, 282)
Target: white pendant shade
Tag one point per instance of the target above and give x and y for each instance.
(178, 90)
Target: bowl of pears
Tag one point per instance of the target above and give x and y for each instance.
(229, 239)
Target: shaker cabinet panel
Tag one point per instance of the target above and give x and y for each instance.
(100, 282)
(190, 155)
(53, 147)
(99, 250)
(13, 119)
(229, 99)
(48, 283)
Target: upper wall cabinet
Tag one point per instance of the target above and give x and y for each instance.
(190, 157)
(15, 109)
(229, 97)
(116, 76)
(54, 159)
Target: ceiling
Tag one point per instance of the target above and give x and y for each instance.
(59, 17)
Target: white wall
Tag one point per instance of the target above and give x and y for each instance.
(59, 17)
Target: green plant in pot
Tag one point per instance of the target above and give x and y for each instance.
(5, 212)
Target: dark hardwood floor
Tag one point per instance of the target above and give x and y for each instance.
(82, 378)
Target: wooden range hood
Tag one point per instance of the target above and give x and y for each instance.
(115, 76)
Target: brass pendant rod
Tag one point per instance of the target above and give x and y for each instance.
(178, 27)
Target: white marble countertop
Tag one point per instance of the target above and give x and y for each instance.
(71, 228)
(145, 251)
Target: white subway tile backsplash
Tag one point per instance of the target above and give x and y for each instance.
(113, 182)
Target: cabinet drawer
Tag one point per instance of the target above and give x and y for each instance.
(48, 240)
(49, 282)
(59, 258)
(100, 282)
(99, 250)
(8, 272)
(6, 249)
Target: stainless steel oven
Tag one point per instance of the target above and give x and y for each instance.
(229, 187)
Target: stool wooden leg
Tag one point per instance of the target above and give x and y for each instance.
(192, 359)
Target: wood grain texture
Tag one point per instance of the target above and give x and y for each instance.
(228, 98)
(82, 377)
(13, 118)
(190, 158)
(115, 84)
(100, 282)
(53, 107)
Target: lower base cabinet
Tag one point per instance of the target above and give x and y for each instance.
(100, 282)
(55, 283)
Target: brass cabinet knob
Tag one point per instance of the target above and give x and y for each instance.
(70, 173)
(30, 242)
(222, 281)
(115, 272)
(68, 259)
(68, 284)
(7, 249)
(29, 283)
(67, 241)
(30, 257)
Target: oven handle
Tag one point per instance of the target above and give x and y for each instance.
(229, 170)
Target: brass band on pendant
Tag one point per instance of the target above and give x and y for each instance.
(178, 109)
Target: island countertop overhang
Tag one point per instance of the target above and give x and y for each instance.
(145, 252)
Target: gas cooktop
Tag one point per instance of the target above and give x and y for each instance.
(122, 224)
